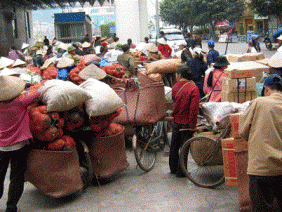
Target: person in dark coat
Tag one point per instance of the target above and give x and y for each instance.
(46, 41)
(198, 68)
(213, 54)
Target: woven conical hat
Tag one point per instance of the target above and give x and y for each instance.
(65, 62)
(86, 45)
(19, 62)
(276, 60)
(10, 87)
(92, 71)
(5, 62)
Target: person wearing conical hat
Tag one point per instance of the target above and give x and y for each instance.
(86, 48)
(164, 48)
(15, 136)
(154, 54)
(72, 55)
(5, 62)
(19, 63)
(25, 49)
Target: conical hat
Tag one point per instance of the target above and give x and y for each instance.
(5, 62)
(152, 48)
(92, 71)
(63, 46)
(25, 45)
(65, 62)
(280, 37)
(86, 45)
(276, 60)
(10, 87)
(19, 62)
(47, 63)
(161, 41)
(8, 72)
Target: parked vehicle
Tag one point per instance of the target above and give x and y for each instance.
(268, 43)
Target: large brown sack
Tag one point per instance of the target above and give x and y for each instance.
(143, 106)
(54, 173)
(145, 79)
(108, 155)
(163, 66)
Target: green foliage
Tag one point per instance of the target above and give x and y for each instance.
(105, 30)
(267, 7)
(185, 13)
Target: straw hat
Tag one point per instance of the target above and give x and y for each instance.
(63, 46)
(276, 60)
(47, 63)
(34, 48)
(71, 48)
(19, 62)
(10, 87)
(161, 41)
(197, 51)
(65, 62)
(280, 37)
(152, 48)
(92, 71)
(103, 39)
(39, 52)
(86, 45)
(5, 62)
(8, 72)
(25, 45)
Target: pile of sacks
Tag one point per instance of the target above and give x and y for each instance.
(65, 107)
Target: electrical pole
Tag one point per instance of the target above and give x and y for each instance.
(157, 19)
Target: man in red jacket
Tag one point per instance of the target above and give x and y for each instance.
(164, 48)
(186, 97)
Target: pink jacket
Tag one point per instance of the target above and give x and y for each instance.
(14, 119)
(216, 85)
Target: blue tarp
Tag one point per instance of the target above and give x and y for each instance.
(69, 17)
(277, 34)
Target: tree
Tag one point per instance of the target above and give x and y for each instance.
(181, 13)
(212, 11)
(266, 7)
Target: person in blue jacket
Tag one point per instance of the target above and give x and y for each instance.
(213, 54)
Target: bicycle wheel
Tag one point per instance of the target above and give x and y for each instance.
(161, 134)
(201, 161)
(86, 169)
(144, 154)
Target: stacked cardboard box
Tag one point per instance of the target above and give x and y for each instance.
(245, 57)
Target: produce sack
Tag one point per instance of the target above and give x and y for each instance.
(91, 58)
(74, 118)
(65, 143)
(163, 66)
(62, 96)
(45, 126)
(54, 173)
(115, 70)
(104, 99)
(108, 155)
(50, 73)
(74, 77)
(146, 79)
(101, 123)
(144, 105)
(34, 69)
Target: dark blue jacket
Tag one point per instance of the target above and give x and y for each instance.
(212, 55)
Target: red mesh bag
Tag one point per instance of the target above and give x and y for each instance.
(60, 143)
(73, 75)
(115, 70)
(112, 130)
(99, 123)
(50, 73)
(74, 118)
(34, 69)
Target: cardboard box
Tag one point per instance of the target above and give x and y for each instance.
(234, 120)
(233, 85)
(245, 57)
(240, 144)
(229, 161)
(239, 97)
(245, 69)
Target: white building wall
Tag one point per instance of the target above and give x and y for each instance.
(131, 20)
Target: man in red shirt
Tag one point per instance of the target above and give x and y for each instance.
(164, 48)
(186, 97)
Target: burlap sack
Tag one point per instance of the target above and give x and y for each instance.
(145, 79)
(163, 66)
(108, 155)
(55, 173)
(143, 106)
(245, 57)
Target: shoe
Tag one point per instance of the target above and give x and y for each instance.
(180, 175)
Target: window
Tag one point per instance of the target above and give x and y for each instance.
(15, 25)
(27, 24)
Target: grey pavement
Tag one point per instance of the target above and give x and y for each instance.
(135, 190)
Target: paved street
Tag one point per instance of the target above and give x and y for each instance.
(134, 190)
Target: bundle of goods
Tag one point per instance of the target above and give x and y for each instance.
(136, 56)
(144, 104)
(145, 78)
(245, 57)
(73, 75)
(214, 112)
(90, 58)
(50, 73)
(239, 83)
(115, 70)
(163, 66)
(34, 69)
(64, 143)
(74, 118)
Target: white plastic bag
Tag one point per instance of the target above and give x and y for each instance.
(168, 94)
(61, 95)
(104, 99)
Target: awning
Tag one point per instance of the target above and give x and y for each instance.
(35, 4)
(256, 16)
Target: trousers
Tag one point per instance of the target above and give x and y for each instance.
(263, 190)
(18, 160)
(177, 140)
